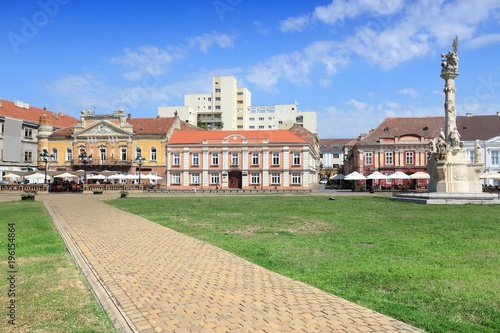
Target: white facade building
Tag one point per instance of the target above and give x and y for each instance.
(229, 107)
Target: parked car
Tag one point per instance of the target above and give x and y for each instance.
(323, 180)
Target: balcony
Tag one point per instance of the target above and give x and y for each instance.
(98, 163)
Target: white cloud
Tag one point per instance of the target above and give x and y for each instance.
(259, 26)
(294, 23)
(409, 91)
(207, 40)
(483, 40)
(357, 104)
(147, 61)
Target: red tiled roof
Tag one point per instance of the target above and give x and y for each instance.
(427, 127)
(328, 143)
(478, 127)
(274, 136)
(32, 114)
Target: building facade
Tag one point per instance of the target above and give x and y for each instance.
(229, 107)
(19, 127)
(332, 155)
(402, 144)
(111, 142)
(264, 160)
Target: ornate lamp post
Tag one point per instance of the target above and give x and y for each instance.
(140, 161)
(45, 157)
(85, 159)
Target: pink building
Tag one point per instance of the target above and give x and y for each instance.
(265, 159)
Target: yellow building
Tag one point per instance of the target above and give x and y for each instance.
(113, 142)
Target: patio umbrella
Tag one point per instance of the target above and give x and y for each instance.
(420, 175)
(376, 175)
(36, 175)
(65, 175)
(355, 176)
(129, 176)
(97, 177)
(11, 175)
(493, 175)
(398, 175)
(151, 177)
(117, 176)
(338, 176)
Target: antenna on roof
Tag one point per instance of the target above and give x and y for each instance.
(93, 107)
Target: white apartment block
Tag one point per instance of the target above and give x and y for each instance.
(229, 107)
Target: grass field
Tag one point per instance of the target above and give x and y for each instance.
(435, 267)
(51, 295)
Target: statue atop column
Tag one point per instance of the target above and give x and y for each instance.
(449, 62)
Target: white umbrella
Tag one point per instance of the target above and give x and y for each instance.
(376, 175)
(493, 175)
(398, 175)
(355, 176)
(117, 176)
(152, 177)
(11, 175)
(420, 175)
(97, 177)
(129, 176)
(338, 176)
(65, 175)
(37, 175)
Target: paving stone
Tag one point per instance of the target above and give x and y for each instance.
(164, 281)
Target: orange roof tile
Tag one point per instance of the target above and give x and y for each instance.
(274, 136)
(32, 114)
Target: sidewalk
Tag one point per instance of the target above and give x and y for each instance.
(152, 279)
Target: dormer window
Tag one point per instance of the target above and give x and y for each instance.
(386, 129)
(425, 128)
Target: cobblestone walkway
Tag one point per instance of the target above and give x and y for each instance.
(158, 280)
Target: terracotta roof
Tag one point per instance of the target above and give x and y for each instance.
(274, 136)
(427, 127)
(478, 127)
(143, 126)
(326, 144)
(32, 114)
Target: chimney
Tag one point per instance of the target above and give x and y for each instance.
(468, 114)
(498, 113)
(129, 115)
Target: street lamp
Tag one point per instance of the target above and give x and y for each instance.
(85, 159)
(45, 157)
(140, 160)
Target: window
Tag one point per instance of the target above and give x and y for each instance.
(217, 90)
(176, 159)
(261, 127)
(275, 178)
(261, 118)
(28, 133)
(240, 118)
(69, 154)
(295, 178)
(336, 155)
(153, 154)
(388, 158)
(176, 178)
(234, 159)
(195, 159)
(102, 155)
(251, 127)
(276, 159)
(255, 158)
(368, 158)
(2, 129)
(217, 99)
(214, 178)
(138, 152)
(210, 99)
(28, 156)
(255, 178)
(409, 157)
(54, 152)
(217, 107)
(215, 158)
(494, 157)
(296, 158)
(470, 156)
(123, 153)
(251, 119)
(195, 178)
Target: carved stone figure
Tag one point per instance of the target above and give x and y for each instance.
(442, 146)
(477, 152)
(449, 62)
(455, 138)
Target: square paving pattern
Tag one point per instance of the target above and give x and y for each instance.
(163, 281)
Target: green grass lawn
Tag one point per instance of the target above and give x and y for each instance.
(433, 266)
(51, 295)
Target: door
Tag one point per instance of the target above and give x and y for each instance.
(235, 179)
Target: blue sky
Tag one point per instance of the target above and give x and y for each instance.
(353, 62)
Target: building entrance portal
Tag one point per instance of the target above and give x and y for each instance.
(235, 179)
